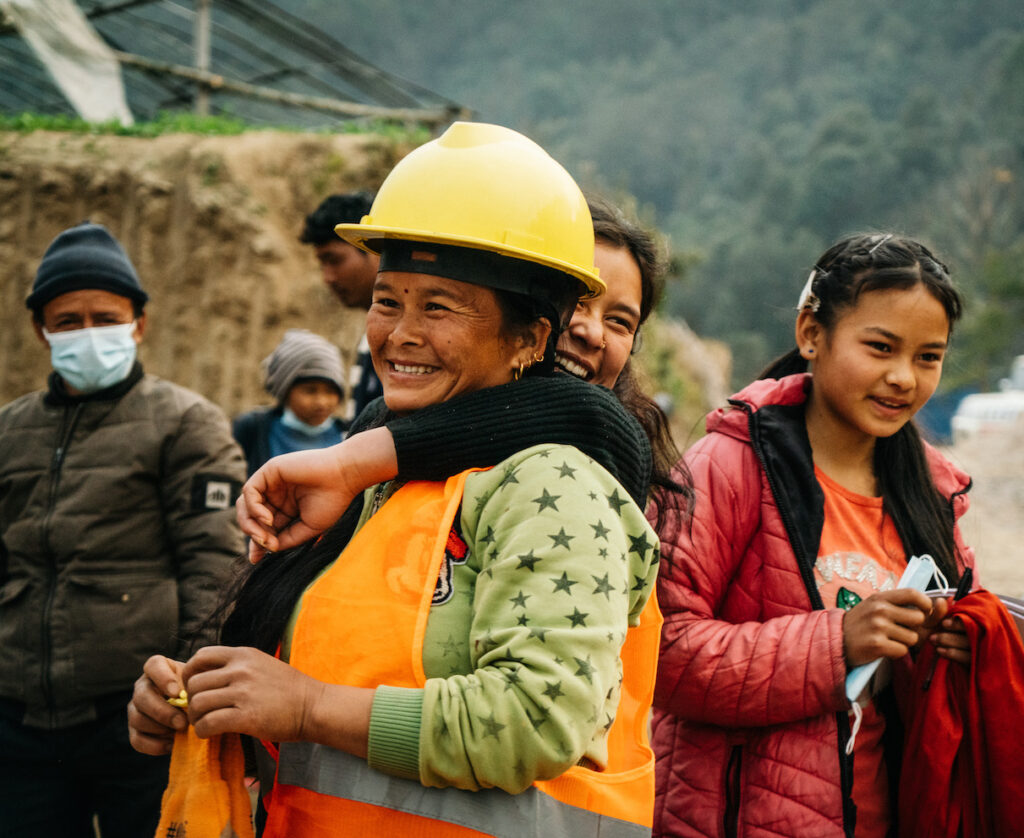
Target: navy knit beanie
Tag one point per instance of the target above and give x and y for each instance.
(86, 256)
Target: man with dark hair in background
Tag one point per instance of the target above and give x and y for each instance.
(350, 273)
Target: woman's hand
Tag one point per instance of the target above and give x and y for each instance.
(290, 499)
(243, 690)
(295, 497)
(152, 722)
(885, 625)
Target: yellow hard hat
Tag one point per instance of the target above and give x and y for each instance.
(488, 188)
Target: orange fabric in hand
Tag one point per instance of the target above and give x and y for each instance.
(206, 795)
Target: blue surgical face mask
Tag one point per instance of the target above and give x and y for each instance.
(92, 359)
(290, 420)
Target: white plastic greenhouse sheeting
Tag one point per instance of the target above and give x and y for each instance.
(80, 62)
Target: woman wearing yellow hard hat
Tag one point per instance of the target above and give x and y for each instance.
(467, 657)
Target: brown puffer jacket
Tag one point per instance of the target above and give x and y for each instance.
(750, 716)
(117, 533)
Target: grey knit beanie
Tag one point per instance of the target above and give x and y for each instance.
(301, 354)
(85, 256)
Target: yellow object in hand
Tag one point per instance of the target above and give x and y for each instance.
(180, 700)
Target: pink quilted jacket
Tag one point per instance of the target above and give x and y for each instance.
(750, 716)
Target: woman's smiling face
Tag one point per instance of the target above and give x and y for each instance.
(433, 338)
(599, 339)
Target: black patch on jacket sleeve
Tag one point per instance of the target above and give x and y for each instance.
(213, 492)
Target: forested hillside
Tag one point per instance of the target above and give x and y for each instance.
(753, 133)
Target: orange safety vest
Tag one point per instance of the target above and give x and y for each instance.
(362, 623)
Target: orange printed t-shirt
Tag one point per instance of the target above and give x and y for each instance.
(860, 553)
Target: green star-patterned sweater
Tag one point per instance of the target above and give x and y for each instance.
(522, 641)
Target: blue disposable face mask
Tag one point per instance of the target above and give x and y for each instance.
(290, 420)
(93, 359)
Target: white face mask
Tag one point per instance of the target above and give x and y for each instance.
(290, 420)
(93, 359)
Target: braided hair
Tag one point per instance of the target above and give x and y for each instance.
(851, 267)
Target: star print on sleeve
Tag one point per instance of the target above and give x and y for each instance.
(491, 726)
(537, 631)
(553, 690)
(546, 501)
(577, 618)
(527, 560)
(512, 677)
(603, 586)
(509, 478)
(616, 502)
(519, 600)
(585, 669)
(564, 583)
(640, 545)
(564, 470)
(561, 538)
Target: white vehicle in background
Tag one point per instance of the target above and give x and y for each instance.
(992, 413)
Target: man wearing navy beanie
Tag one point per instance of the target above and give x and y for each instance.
(86, 256)
(117, 531)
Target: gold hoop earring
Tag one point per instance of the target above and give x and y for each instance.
(518, 372)
(538, 357)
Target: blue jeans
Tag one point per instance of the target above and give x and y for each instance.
(52, 782)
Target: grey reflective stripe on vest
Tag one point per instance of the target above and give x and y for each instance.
(531, 814)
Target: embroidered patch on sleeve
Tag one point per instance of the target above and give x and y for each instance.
(214, 492)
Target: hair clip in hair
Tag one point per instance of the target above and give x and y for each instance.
(882, 240)
(807, 296)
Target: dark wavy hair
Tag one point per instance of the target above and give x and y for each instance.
(851, 267)
(612, 227)
(348, 208)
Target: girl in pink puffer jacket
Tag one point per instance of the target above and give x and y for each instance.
(812, 493)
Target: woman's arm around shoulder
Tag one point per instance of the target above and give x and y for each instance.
(493, 424)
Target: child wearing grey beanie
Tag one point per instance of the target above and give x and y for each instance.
(305, 376)
(301, 354)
